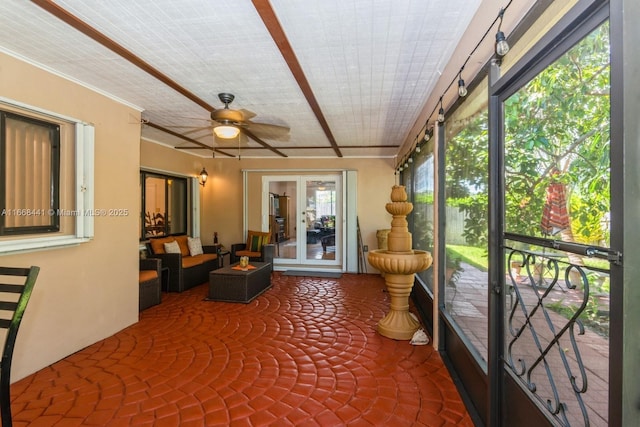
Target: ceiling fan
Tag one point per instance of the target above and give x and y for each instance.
(229, 123)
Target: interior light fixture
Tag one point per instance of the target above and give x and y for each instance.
(226, 131)
(441, 112)
(502, 47)
(203, 177)
(462, 89)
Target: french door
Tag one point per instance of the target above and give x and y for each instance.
(305, 216)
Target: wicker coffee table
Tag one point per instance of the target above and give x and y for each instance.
(232, 285)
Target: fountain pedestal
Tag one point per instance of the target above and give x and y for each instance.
(399, 263)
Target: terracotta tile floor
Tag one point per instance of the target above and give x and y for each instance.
(303, 353)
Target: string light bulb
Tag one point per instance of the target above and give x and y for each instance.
(502, 47)
(441, 112)
(462, 89)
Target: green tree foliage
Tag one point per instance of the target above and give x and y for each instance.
(559, 120)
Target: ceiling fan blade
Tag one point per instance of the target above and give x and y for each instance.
(200, 119)
(189, 129)
(248, 115)
(269, 131)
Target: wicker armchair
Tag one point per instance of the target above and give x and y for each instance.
(149, 279)
(257, 248)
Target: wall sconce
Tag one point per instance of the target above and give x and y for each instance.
(203, 177)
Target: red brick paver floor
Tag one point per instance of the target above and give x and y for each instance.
(304, 353)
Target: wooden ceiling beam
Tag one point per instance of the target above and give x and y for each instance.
(105, 41)
(264, 9)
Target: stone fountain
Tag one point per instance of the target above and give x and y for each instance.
(399, 263)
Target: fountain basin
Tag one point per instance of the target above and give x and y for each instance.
(407, 262)
(399, 268)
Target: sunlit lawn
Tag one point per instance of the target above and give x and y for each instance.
(478, 257)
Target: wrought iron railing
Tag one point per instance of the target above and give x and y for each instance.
(548, 301)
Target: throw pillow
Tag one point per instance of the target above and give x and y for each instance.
(256, 244)
(195, 246)
(172, 248)
(184, 244)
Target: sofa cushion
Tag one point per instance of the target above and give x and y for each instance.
(190, 261)
(195, 246)
(146, 275)
(172, 248)
(157, 245)
(250, 254)
(183, 243)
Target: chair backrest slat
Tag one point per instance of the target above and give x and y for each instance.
(14, 289)
(8, 305)
(14, 271)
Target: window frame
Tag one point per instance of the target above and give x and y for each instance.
(186, 214)
(52, 211)
(80, 188)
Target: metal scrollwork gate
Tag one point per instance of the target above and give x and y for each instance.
(556, 328)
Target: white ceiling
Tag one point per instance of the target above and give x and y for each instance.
(370, 65)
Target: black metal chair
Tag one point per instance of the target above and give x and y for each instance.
(12, 308)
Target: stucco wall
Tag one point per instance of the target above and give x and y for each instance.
(221, 199)
(87, 292)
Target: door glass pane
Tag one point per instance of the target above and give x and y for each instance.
(282, 218)
(423, 194)
(320, 219)
(557, 178)
(466, 220)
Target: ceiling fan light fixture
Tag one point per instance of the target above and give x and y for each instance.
(226, 131)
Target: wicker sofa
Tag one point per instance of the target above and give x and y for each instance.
(185, 270)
